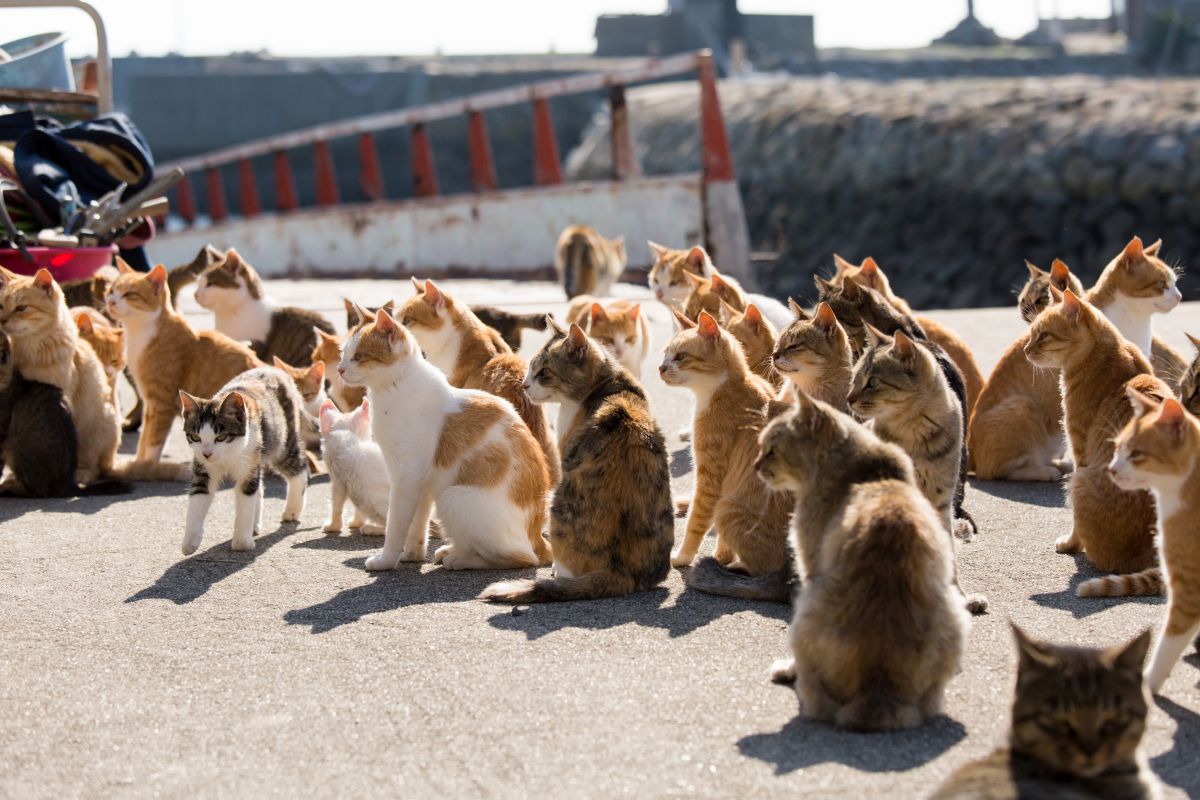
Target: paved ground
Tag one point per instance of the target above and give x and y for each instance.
(127, 671)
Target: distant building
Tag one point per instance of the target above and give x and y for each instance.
(765, 39)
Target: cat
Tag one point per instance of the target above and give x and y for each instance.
(758, 338)
(310, 382)
(508, 324)
(612, 523)
(89, 292)
(167, 355)
(1189, 385)
(1112, 527)
(673, 275)
(474, 356)
(254, 423)
(814, 356)
(732, 406)
(869, 274)
(621, 328)
(878, 627)
(1157, 451)
(1078, 718)
(357, 470)
(1016, 431)
(1133, 287)
(108, 342)
(38, 440)
(587, 263)
(464, 449)
(46, 348)
(234, 293)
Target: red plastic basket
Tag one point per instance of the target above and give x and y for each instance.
(64, 264)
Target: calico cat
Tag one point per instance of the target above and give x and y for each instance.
(732, 406)
(621, 328)
(508, 324)
(46, 348)
(166, 355)
(587, 263)
(1035, 295)
(758, 339)
(107, 340)
(474, 356)
(1112, 527)
(38, 441)
(1078, 718)
(466, 450)
(612, 522)
(254, 423)
(673, 276)
(814, 356)
(234, 293)
(357, 470)
(1157, 451)
(878, 627)
(1133, 287)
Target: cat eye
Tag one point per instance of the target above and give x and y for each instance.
(222, 437)
(873, 383)
(606, 340)
(406, 321)
(19, 309)
(191, 437)
(1136, 455)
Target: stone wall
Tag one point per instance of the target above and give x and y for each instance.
(949, 184)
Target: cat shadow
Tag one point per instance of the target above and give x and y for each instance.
(1082, 607)
(681, 462)
(1048, 494)
(192, 577)
(346, 541)
(1180, 766)
(802, 743)
(13, 507)
(691, 611)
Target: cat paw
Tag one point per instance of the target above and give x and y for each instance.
(85, 476)
(369, 529)
(681, 508)
(356, 522)
(380, 563)
(964, 530)
(1066, 545)
(682, 559)
(440, 554)
(977, 604)
(783, 671)
(332, 527)
(191, 542)
(724, 555)
(242, 544)
(685, 435)
(411, 556)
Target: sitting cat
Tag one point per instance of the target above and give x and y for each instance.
(108, 341)
(474, 356)
(357, 470)
(732, 406)
(712, 292)
(878, 627)
(1114, 528)
(814, 356)
(310, 382)
(466, 450)
(671, 284)
(166, 355)
(1035, 295)
(1157, 451)
(1078, 718)
(621, 328)
(586, 262)
(758, 339)
(611, 522)
(234, 293)
(254, 423)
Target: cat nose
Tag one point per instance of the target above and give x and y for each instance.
(341, 370)
(207, 453)
(662, 369)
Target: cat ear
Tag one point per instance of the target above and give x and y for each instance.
(233, 260)
(695, 280)
(556, 329)
(618, 242)
(352, 317)
(328, 409)
(875, 337)
(797, 310)
(1030, 652)
(1133, 251)
(903, 346)
(234, 405)
(825, 318)
(1071, 306)
(1056, 295)
(387, 326)
(1194, 340)
(657, 250)
(1142, 403)
(699, 261)
(389, 306)
(417, 285)
(852, 291)
(1060, 275)
(635, 311)
(83, 322)
(328, 337)
(158, 277)
(577, 341)
(842, 266)
(823, 286)
(433, 295)
(360, 419)
(1172, 419)
(1034, 272)
(707, 326)
(188, 403)
(280, 363)
(363, 313)
(598, 314)
(1153, 249)
(717, 284)
(869, 272)
(682, 320)
(123, 266)
(315, 377)
(1129, 657)
(753, 316)
(44, 281)
(728, 313)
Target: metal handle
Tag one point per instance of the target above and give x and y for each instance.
(104, 103)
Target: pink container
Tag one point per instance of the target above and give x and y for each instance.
(64, 264)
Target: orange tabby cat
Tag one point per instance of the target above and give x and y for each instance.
(1112, 527)
(166, 355)
(758, 338)
(620, 327)
(107, 339)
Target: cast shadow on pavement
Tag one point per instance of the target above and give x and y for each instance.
(1081, 607)
(681, 462)
(1180, 766)
(801, 744)
(13, 507)
(193, 576)
(1047, 494)
(691, 610)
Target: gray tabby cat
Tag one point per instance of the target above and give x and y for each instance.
(1077, 723)
(257, 421)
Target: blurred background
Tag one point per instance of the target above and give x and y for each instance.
(948, 139)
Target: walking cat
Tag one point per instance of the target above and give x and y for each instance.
(473, 356)
(669, 278)
(357, 470)
(620, 327)
(814, 356)
(1157, 451)
(466, 450)
(612, 523)
(732, 406)
(1078, 718)
(1114, 528)
(166, 355)
(46, 348)
(234, 293)
(254, 423)
(586, 262)
(878, 627)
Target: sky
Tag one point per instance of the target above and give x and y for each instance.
(423, 27)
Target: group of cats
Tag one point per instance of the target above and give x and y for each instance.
(849, 420)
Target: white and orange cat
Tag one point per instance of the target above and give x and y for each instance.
(620, 327)
(672, 279)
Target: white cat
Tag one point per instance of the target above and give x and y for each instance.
(464, 449)
(357, 470)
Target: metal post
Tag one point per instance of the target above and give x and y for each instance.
(425, 182)
(216, 195)
(624, 156)
(483, 169)
(371, 176)
(546, 169)
(251, 207)
(285, 183)
(327, 191)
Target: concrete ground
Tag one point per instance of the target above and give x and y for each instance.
(128, 671)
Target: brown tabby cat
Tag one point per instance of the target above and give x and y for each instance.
(1078, 718)
(108, 340)
(611, 521)
(586, 262)
(814, 356)
(1189, 385)
(879, 626)
(1114, 528)
(167, 355)
(758, 339)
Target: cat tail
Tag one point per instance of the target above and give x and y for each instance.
(1146, 583)
(592, 585)
(579, 273)
(104, 487)
(534, 322)
(168, 471)
(878, 709)
(708, 575)
(309, 424)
